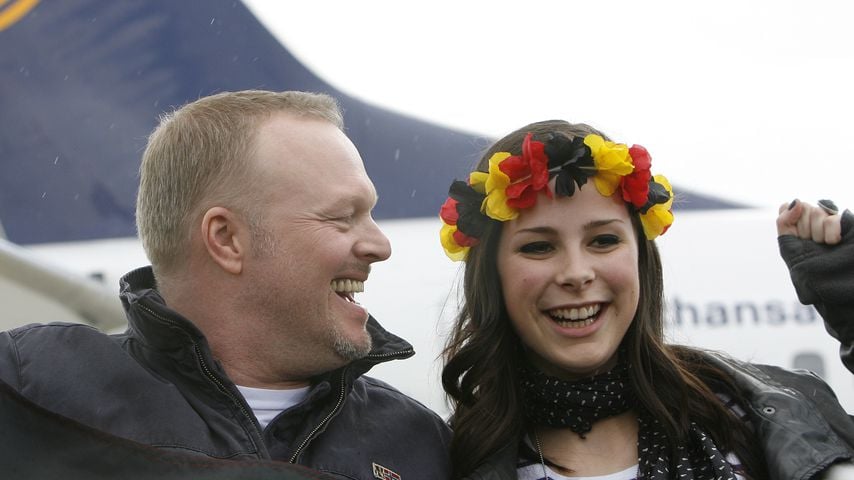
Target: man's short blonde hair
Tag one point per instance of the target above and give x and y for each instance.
(199, 157)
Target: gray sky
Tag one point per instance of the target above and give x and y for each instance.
(748, 100)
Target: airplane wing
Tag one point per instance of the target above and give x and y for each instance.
(88, 299)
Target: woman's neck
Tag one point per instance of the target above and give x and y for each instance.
(611, 446)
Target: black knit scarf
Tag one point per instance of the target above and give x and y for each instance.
(577, 405)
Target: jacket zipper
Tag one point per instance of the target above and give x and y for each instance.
(338, 404)
(224, 390)
(310, 436)
(212, 377)
(243, 410)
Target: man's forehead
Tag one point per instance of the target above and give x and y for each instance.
(306, 148)
(292, 126)
(355, 188)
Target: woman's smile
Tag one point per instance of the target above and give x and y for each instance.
(569, 274)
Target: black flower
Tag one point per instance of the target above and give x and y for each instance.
(572, 160)
(471, 221)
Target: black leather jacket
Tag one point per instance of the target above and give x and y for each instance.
(823, 276)
(796, 416)
(159, 385)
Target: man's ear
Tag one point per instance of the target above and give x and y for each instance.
(225, 234)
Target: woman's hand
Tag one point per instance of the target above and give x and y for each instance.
(821, 224)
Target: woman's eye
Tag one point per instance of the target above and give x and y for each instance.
(536, 247)
(606, 240)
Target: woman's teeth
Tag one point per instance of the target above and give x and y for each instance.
(575, 317)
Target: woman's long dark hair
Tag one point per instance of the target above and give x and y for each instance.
(483, 353)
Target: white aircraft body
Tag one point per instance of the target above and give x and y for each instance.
(726, 286)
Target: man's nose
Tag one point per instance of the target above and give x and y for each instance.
(374, 247)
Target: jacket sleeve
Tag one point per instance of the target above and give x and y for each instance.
(9, 370)
(823, 276)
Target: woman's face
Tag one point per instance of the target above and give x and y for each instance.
(569, 274)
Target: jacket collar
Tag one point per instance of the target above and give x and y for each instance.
(150, 320)
(155, 324)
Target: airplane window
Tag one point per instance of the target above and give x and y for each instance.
(809, 361)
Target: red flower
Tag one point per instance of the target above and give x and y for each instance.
(448, 213)
(529, 173)
(635, 186)
(464, 240)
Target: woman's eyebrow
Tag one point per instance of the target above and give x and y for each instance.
(587, 226)
(542, 229)
(601, 223)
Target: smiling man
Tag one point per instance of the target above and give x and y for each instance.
(245, 338)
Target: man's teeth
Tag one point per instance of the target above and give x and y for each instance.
(347, 286)
(575, 317)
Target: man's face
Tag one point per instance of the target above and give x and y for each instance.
(320, 240)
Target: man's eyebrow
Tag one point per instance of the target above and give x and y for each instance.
(355, 201)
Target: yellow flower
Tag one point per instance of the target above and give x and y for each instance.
(612, 162)
(477, 180)
(453, 250)
(494, 185)
(658, 218)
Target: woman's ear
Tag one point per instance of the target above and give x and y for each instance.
(225, 235)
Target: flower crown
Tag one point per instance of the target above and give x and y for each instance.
(514, 181)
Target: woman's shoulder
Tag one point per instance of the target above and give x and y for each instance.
(749, 376)
(789, 405)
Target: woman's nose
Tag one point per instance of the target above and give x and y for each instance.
(577, 272)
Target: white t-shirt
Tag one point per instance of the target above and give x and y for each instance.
(840, 471)
(527, 470)
(535, 472)
(266, 403)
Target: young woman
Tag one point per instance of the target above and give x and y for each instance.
(557, 366)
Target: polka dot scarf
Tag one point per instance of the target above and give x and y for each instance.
(699, 459)
(577, 405)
